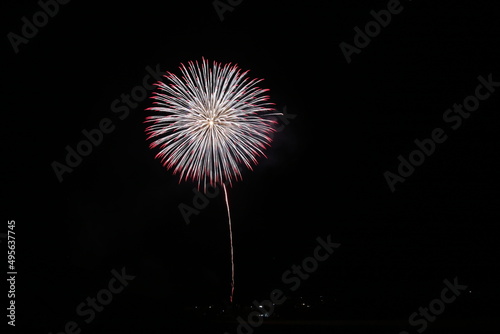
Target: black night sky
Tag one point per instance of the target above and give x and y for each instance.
(347, 126)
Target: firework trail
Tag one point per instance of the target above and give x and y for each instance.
(209, 124)
(231, 242)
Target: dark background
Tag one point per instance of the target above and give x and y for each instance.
(324, 175)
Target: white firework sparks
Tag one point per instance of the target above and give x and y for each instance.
(210, 122)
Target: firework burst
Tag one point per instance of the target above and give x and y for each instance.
(209, 124)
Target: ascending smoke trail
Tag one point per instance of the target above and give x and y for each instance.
(231, 241)
(209, 124)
